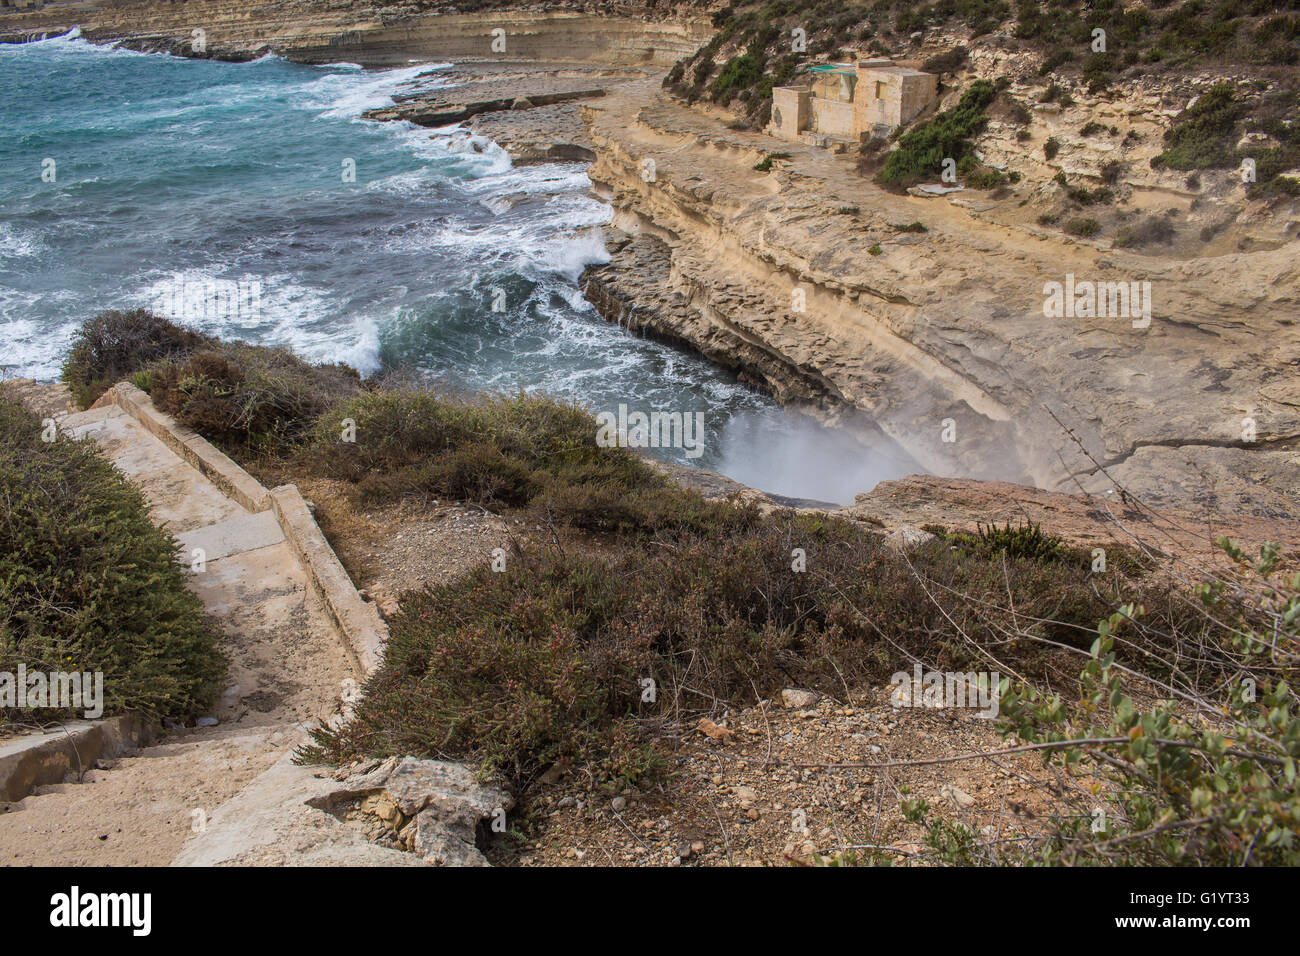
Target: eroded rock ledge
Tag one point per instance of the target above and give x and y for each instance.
(802, 279)
(375, 34)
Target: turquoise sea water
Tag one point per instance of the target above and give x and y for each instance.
(220, 194)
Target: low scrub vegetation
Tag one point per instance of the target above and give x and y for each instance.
(1206, 135)
(1170, 710)
(114, 345)
(242, 397)
(546, 661)
(88, 583)
(1083, 227)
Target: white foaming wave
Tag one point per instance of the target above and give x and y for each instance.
(356, 344)
(18, 243)
(31, 349)
(70, 43)
(568, 255)
(484, 243)
(457, 143)
(579, 210)
(347, 94)
(541, 179)
(268, 310)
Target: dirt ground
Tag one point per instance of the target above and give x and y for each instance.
(757, 797)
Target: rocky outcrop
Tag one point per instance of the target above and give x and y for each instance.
(442, 110)
(943, 338)
(319, 31)
(396, 812)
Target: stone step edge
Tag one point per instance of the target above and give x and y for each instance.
(37, 760)
(216, 466)
(362, 631)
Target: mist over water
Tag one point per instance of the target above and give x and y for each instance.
(213, 192)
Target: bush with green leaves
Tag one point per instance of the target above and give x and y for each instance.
(948, 135)
(88, 583)
(1204, 135)
(1203, 775)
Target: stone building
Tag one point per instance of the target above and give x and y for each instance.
(848, 102)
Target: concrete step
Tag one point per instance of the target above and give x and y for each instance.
(233, 536)
(180, 497)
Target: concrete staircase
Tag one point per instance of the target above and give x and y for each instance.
(297, 634)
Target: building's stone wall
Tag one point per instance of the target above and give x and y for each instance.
(832, 118)
(919, 91)
(880, 94)
(791, 111)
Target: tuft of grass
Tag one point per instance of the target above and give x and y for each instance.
(1023, 542)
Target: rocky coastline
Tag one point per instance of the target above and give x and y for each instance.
(929, 343)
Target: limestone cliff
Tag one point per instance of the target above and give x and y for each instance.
(374, 34)
(940, 338)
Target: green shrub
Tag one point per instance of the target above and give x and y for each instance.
(764, 164)
(1025, 542)
(739, 74)
(986, 178)
(1087, 228)
(1088, 197)
(1280, 186)
(1204, 135)
(88, 583)
(113, 346)
(1051, 146)
(922, 151)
